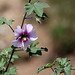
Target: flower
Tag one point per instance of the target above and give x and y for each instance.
(24, 37)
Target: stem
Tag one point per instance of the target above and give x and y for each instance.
(52, 69)
(13, 31)
(11, 28)
(29, 1)
(24, 16)
(23, 19)
(9, 60)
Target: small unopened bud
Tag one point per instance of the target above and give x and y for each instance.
(38, 20)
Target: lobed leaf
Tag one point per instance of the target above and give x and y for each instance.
(33, 50)
(64, 66)
(59, 69)
(12, 71)
(37, 51)
(34, 43)
(2, 62)
(37, 7)
(67, 71)
(63, 61)
(10, 22)
(3, 20)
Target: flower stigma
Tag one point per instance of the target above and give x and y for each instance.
(24, 39)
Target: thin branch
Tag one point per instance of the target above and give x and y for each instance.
(23, 19)
(11, 28)
(24, 16)
(13, 31)
(9, 60)
(52, 69)
(29, 1)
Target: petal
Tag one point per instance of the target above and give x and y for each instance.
(17, 43)
(28, 28)
(18, 31)
(33, 35)
(26, 43)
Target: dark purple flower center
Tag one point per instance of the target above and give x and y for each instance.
(24, 37)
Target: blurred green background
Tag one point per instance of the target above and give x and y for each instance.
(57, 33)
(63, 33)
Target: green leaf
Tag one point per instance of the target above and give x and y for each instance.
(49, 65)
(29, 8)
(63, 61)
(12, 61)
(64, 66)
(6, 73)
(40, 69)
(67, 70)
(42, 5)
(12, 71)
(10, 22)
(72, 68)
(37, 7)
(3, 20)
(34, 43)
(2, 62)
(36, 51)
(33, 50)
(59, 69)
(15, 56)
(6, 51)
